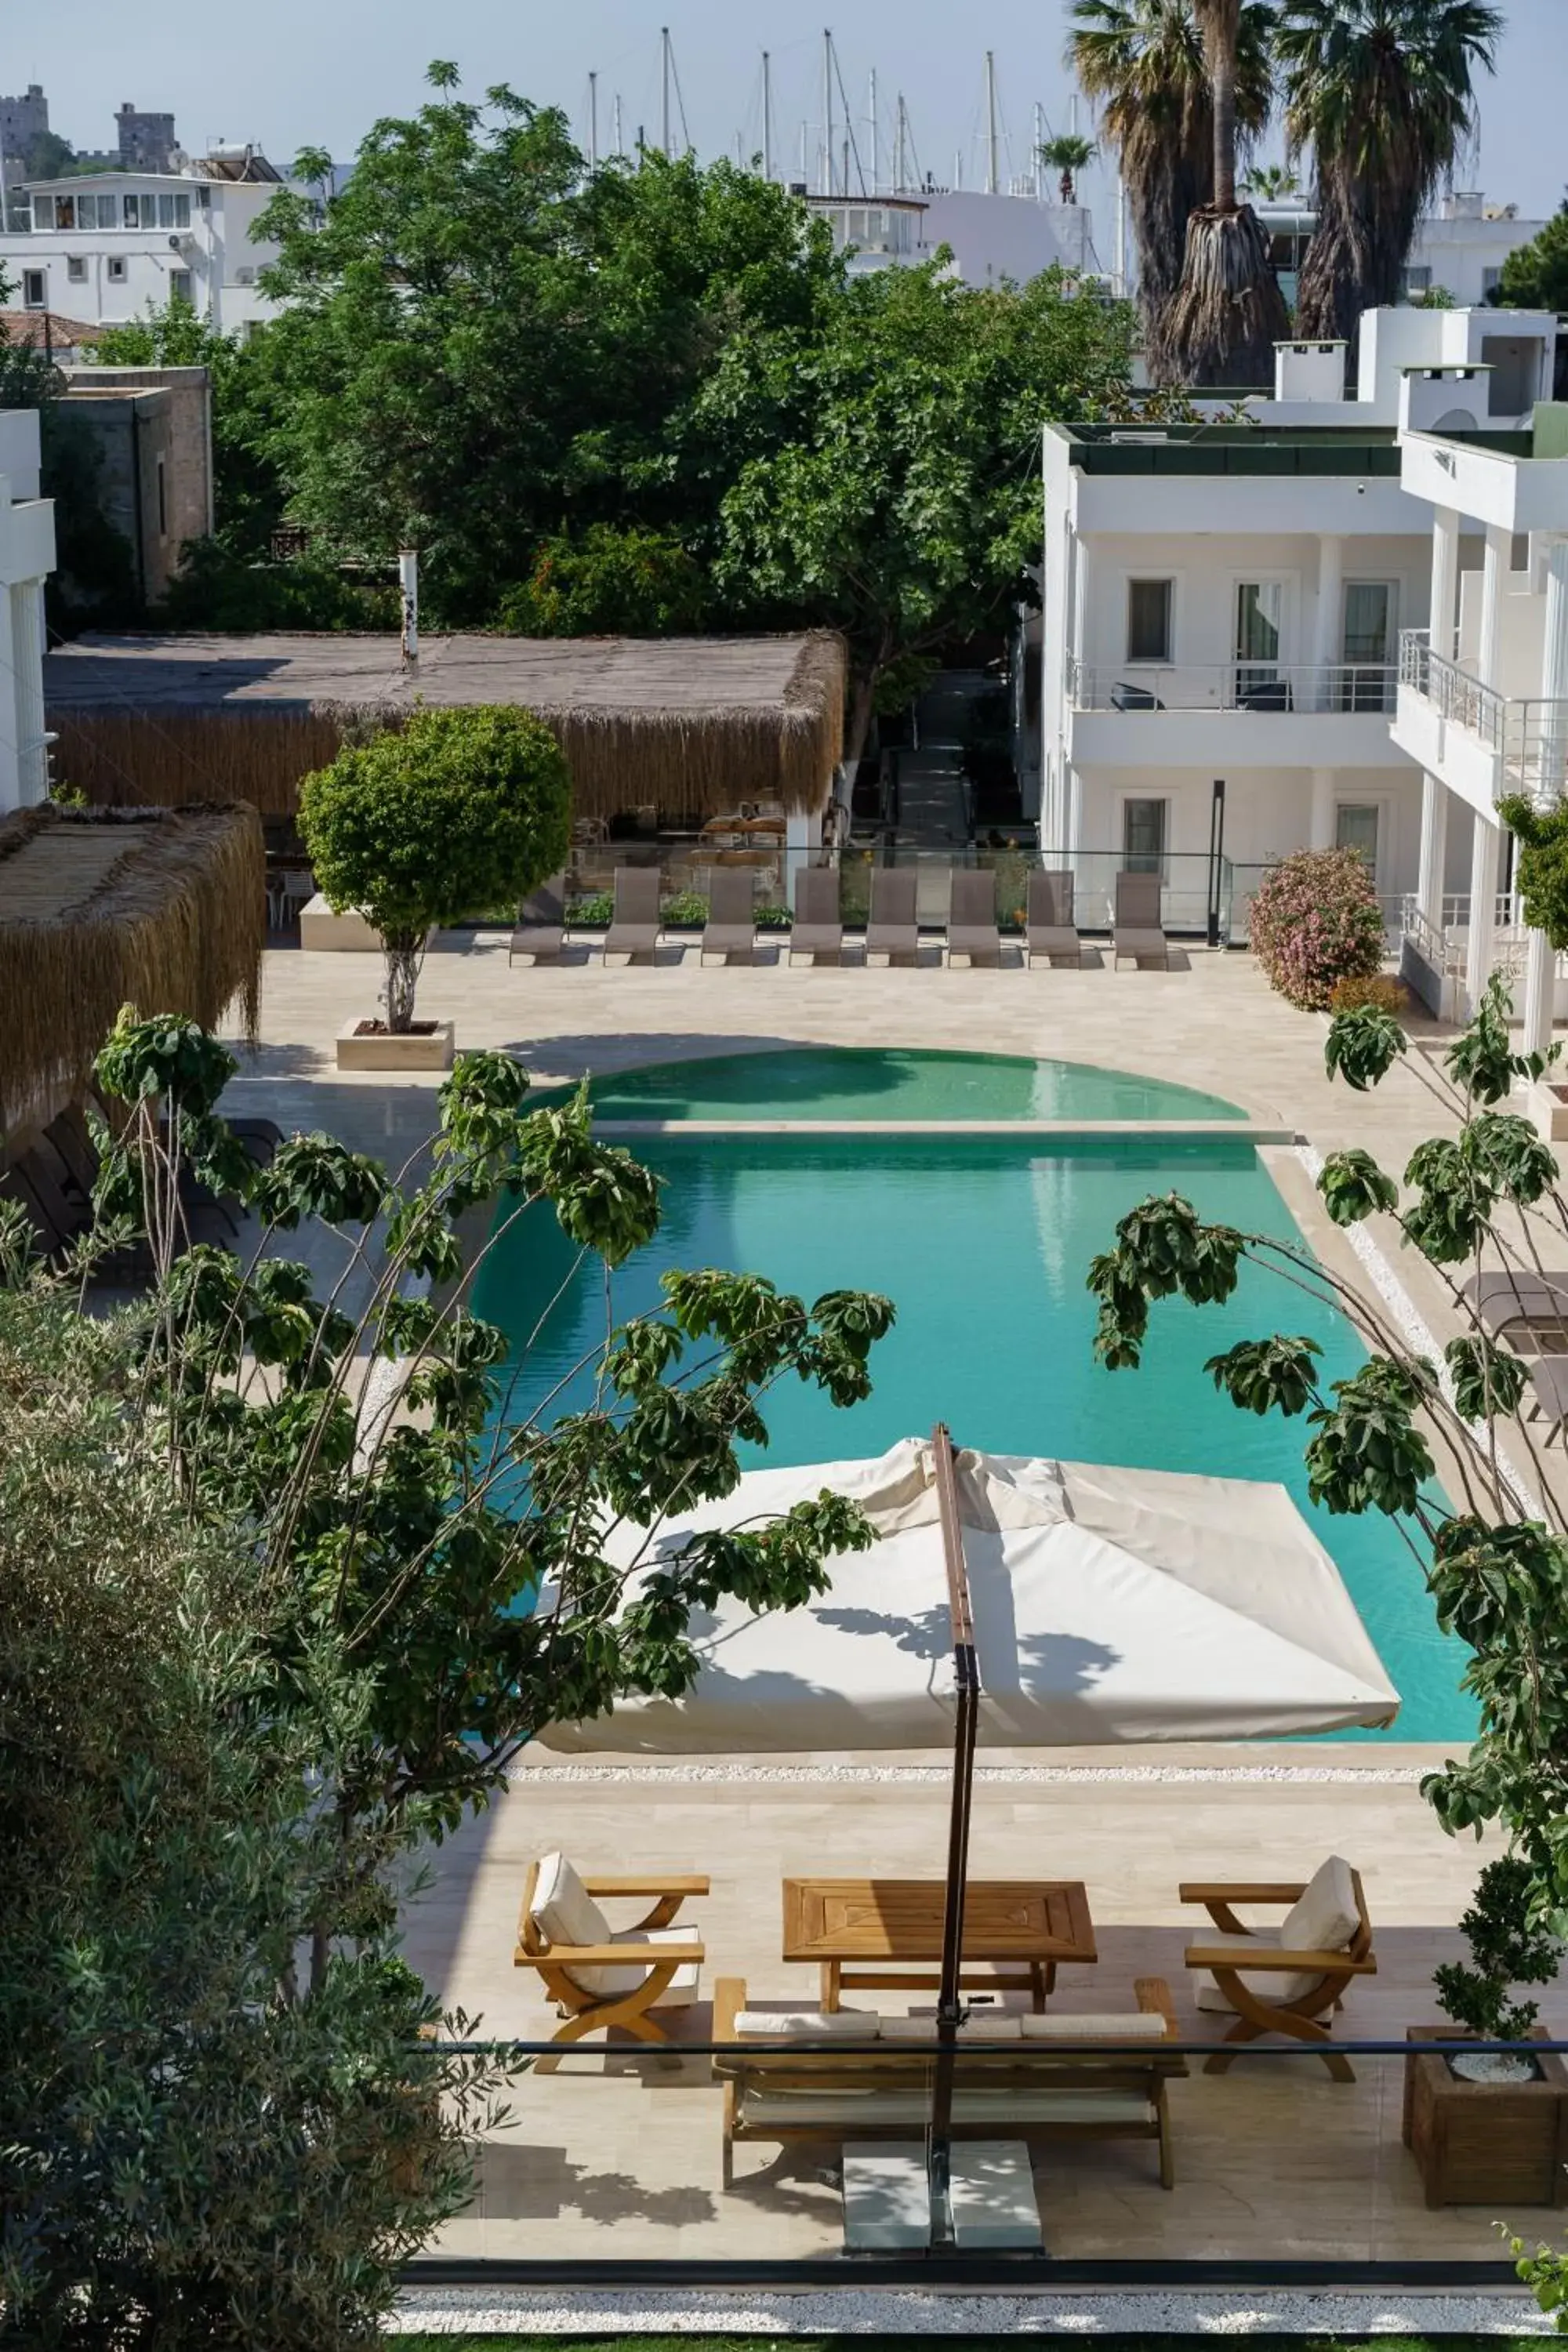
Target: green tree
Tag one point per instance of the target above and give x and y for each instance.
(1227, 313)
(1484, 1198)
(195, 2147)
(1535, 276)
(1144, 60)
(608, 582)
(1383, 91)
(448, 816)
(885, 477)
(1273, 182)
(1070, 153)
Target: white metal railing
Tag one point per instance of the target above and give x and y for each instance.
(1257, 685)
(1446, 948)
(1528, 733)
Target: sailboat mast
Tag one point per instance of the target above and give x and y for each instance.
(767, 117)
(664, 75)
(991, 123)
(1039, 140)
(592, 122)
(875, 157)
(620, 140)
(827, 111)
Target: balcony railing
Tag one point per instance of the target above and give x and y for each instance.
(1528, 733)
(1257, 686)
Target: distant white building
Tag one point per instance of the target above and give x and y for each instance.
(1460, 248)
(105, 244)
(1223, 607)
(26, 558)
(992, 238)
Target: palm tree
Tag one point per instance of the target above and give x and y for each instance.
(1272, 182)
(1227, 313)
(1382, 90)
(1144, 60)
(1068, 154)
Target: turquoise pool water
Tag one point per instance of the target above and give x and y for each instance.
(825, 1082)
(983, 1244)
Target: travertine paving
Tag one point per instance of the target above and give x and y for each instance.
(619, 2155)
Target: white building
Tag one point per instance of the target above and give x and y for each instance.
(104, 246)
(1482, 709)
(1461, 247)
(992, 238)
(26, 558)
(1223, 606)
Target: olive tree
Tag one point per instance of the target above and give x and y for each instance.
(1485, 1198)
(451, 814)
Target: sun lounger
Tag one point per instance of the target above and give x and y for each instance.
(731, 928)
(972, 928)
(636, 928)
(816, 930)
(1549, 1383)
(890, 927)
(1012, 2078)
(1508, 1295)
(1052, 927)
(1137, 937)
(540, 932)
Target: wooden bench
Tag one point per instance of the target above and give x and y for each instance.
(780, 2093)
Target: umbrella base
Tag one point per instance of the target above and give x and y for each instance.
(887, 2198)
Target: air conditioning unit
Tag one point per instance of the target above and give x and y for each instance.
(245, 275)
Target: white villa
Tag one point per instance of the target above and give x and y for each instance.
(105, 244)
(1224, 607)
(27, 557)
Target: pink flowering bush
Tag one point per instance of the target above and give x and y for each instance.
(1316, 921)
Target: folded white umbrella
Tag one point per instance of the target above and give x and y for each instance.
(1109, 1605)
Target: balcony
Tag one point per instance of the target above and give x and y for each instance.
(1481, 744)
(1244, 713)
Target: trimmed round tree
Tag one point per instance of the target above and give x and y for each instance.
(1315, 921)
(452, 814)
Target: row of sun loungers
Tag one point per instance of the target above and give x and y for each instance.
(892, 930)
(52, 1180)
(1529, 1312)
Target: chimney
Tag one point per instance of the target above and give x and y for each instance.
(1442, 399)
(1314, 371)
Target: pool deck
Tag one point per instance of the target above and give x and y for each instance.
(620, 2157)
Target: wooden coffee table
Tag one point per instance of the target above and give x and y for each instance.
(864, 1932)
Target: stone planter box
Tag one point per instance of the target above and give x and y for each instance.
(1493, 2144)
(1548, 1104)
(427, 1046)
(323, 932)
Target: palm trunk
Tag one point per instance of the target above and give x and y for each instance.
(1066, 188)
(1227, 313)
(1222, 73)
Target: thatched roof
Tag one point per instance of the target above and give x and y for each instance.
(162, 909)
(685, 723)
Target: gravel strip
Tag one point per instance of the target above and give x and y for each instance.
(997, 1775)
(1157, 2311)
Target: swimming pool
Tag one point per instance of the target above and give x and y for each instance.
(882, 1082)
(983, 1242)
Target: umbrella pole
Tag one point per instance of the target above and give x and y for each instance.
(967, 1675)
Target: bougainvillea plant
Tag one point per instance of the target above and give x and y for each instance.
(1315, 921)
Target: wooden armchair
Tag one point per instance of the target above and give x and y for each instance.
(598, 1976)
(1284, 1980)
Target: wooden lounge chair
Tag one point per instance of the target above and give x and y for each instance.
(541, 931)
(1283, 1980)
(636, 928)
(972, 929)
(1052, 929)
(731, 928)
(1136, 934)
(598, 1976)
(1012, 2079)
(818, 930)
(890, 927)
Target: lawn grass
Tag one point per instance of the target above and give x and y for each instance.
(762, 2342)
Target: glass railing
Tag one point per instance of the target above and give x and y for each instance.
(781, 2146)
(1255, 685)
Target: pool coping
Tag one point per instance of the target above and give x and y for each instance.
(1232, 1129)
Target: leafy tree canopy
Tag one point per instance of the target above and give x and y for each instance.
(609, 581)
(1535, 276)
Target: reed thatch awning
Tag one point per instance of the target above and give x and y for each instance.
(689, 724)
(162, 909)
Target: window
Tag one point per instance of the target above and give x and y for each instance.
(34, 290)
(65, 212)
(43, 212)
(1143, 836)
(1491, 280)
(1259, 611)
(1149, 620)
(1366, 646)
(76, 268)
(116, 268)
(179, 286)
(1356, 828)
(1418, 279)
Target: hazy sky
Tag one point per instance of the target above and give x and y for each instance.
(320, 70)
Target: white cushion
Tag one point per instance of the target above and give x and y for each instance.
(805, 2025)
(1324, 1917)
(1288, 1984)
(607, 1981)
(982, 2026)
(563, 1910)
(1131, 2025)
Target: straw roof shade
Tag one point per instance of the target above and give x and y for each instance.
(162, 909)
(688, 724)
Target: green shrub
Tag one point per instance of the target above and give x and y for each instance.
(1380, 990)
(1316, 921)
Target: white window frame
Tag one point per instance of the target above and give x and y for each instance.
(1126, 656)
(40, 278)
(1257, 576)
(1386, 803)
(114, 268)
(1120, 798)
(76, 268)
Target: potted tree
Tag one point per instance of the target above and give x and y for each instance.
(453, 815)
(1486, 2126)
